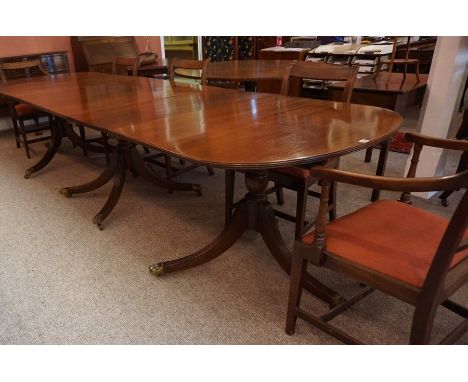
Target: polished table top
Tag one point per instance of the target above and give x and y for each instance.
(243, 70)
(220, 127)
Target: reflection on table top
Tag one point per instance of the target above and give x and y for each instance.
(396, 84)
(244, 70)
(221, 127)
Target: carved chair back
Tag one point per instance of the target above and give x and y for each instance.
(320, 71)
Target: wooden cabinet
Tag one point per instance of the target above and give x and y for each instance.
(181, 47)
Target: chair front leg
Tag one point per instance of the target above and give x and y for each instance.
(296, 285)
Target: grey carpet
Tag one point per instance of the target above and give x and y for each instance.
(62, 281)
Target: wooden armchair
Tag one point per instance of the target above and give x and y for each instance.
(179, 63)
(403, 251)
(298, 178)
(21, 112)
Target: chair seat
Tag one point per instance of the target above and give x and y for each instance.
(369, 237)
(24, 109)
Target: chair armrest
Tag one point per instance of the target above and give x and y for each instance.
(393, 184)
(451, 144)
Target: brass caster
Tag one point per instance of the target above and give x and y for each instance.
(444, 202)
(156, 269)
(28, 173)
(66, 192)
(197, 189)
(98, 221)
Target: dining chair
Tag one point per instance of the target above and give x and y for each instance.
(399, 61)
(298, 178)
(413, 255)
(199, 68)
(21, 113)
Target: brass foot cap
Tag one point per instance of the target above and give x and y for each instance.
(65, 192)
(98, 221)
(156, 269)
(28, 173)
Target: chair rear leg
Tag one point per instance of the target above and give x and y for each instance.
(368, 156)
(332, 201)
(83, 137)
(107, 150)
(301, 206)
(17, 132)
(24, 137)
(229, 181)
(279, 194)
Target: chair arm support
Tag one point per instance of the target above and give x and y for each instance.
(393, 184)
(451, 144)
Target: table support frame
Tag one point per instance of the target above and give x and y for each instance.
(255, 212)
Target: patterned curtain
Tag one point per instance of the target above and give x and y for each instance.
(218, 48)
(246, 49)
(223, 48)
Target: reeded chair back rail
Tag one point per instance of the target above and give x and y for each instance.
(439, 283)
(20, 113)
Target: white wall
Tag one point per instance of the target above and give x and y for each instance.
(444, 86)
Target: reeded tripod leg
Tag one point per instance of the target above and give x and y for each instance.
(252, 212)
(119, 181)
(55, 141)
(140, 168)
(100, 181)
(234, 230)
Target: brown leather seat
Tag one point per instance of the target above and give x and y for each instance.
(403, 251)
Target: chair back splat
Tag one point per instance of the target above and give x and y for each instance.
(321, 71)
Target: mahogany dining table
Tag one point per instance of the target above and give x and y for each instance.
(222, 128)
